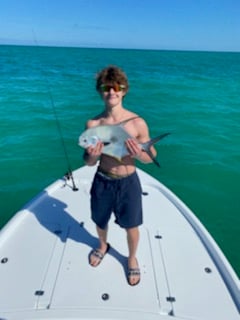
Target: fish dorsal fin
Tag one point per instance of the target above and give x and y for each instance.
(122, 123)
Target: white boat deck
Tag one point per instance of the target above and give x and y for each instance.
(45, 274)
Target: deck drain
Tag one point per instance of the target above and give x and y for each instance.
(105, 296)
(4, 260)
(39, 293)
(208, 270)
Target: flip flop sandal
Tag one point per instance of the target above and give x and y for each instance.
(133, 272)
(99, 255)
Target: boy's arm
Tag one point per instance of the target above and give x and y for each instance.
(143, 136)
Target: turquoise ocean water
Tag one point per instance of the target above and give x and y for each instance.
(194, 95)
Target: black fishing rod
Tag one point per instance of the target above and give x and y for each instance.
(69, 174)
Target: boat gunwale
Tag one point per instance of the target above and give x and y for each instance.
(225, 269)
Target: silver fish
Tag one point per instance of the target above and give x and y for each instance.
(113, 138)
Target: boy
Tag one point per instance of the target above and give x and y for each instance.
(116, 187)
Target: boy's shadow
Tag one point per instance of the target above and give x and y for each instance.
(52, 214)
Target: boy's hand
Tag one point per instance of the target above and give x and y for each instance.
(133, 147)
(95, 151)
(92, 154)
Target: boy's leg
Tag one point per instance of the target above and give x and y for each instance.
(133, 240)
(103, 246)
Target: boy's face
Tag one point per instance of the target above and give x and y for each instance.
(112, 94)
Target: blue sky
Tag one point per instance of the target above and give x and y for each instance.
(212, 25)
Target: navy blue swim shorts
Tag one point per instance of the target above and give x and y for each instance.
(121, 196)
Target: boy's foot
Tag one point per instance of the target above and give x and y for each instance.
(96, 256)
(134, 274)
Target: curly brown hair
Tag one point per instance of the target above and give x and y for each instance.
(111, 75)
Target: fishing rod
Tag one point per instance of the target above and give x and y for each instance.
(69, 174)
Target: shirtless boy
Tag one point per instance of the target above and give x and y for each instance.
(116, 187)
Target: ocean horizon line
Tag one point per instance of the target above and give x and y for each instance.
(113, 48)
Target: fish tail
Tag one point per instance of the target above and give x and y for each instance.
(147, 145)
(156, 139)
(149, 152)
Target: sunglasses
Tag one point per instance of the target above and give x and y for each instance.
(107, 87)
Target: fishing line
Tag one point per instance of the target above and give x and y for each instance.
(69, 174)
